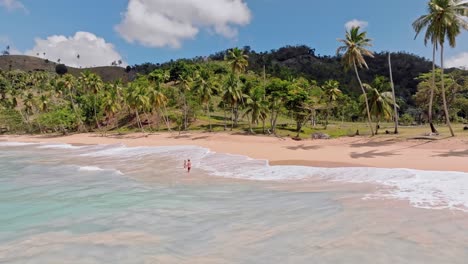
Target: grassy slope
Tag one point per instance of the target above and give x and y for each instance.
(29, 64)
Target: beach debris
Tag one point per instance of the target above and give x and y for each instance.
(320, 135)
(465, 128)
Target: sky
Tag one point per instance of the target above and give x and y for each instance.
(139, 31)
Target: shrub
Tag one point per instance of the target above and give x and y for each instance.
(406, 119)
(60, 119)
(61, 69)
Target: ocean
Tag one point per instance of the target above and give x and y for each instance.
(62, 203)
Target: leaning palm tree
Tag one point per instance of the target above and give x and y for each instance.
(380, 104)
(353, 51)
(395, 110)
(444, 20)
(238, 60)
(332, 91)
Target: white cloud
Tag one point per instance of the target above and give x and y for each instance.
(458, 61)
(160, 23)
(356, 23)
(93, 50)
(11, 5)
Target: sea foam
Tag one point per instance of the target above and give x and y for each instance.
(423, 189)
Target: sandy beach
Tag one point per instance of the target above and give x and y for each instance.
(449, 154)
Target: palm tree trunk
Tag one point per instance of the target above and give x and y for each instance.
(365, 98)
(225, 118)
(139, 121)
(431, 98)
(447, 116)
(185, 114)
(232, 117)
(95, 114)
(395, 109)
(326, 117)
(209, 117)
(166, 118)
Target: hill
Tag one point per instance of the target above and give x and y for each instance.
(30, 64)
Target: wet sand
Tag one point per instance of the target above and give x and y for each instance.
(385, 152)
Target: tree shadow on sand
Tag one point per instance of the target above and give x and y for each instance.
(372, 154)
(303, 147)
(372, 144)
(453, 153)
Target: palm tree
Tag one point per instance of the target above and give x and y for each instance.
(238, 60)
(395, 110)
(185, 85)
(138, 100)
(354, 50)
(444, 20)
(380, 104)
(68, 83)
(92, 83)
(256, 106)
(332, 92)
(112, 100)
(157, 97)
(205, 87)
(232, 94)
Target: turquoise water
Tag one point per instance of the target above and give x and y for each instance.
(113, 204)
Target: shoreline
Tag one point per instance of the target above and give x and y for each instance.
(449, 154)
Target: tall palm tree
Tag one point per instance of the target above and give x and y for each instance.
(158, 99)
(232, 95)
(67, 82)
(444, 20)
(92, 83)
(137, 100)
(238, 60)
(185, 84)
(256, 106)
(395, 110)
(205, 86)
(111, 102)
(380, 104)
(354, 50)
(332, 91)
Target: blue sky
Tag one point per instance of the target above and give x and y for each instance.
(190, 28)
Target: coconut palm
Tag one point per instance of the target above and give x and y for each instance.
(444, 20)
(332, 91)
(395, 110)
(92, 83)
(184, 84)
(205, 86)
(232, 95)
(157, 97)
(111, 101)
(354, 50)
(380, 104)
(137, 100)
(66, 86)
(238, 60)
(256, 106)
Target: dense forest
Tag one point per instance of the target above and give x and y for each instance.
(233, 89)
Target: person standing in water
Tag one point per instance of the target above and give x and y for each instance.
(189, 166)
